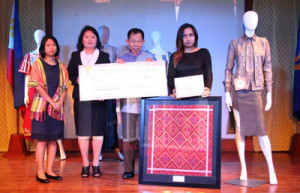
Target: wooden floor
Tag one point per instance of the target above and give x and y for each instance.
(18, 175)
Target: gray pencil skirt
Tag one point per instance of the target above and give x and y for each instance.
(249, 104)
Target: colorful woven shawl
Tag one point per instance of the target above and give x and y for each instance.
(38, 78)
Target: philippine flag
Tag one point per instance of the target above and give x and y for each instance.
(15, 79)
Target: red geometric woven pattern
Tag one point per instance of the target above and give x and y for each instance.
(180, 140)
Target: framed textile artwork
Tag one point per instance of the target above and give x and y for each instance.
(180, 142)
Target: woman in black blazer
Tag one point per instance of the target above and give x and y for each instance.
(90, 116)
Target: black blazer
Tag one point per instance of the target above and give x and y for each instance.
(75, 61)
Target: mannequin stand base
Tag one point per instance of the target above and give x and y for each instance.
(251, 183)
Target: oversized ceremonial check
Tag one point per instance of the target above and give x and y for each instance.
(122, 80)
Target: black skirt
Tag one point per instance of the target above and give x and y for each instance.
(90, 117)
(47, 130)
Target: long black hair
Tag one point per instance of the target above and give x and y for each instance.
(179, 41)
(42, 46)
(87, 28)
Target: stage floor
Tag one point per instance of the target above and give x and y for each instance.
(18, 175)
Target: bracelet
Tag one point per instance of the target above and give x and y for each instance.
(207, 89)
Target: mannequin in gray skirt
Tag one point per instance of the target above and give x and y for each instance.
(253, 71)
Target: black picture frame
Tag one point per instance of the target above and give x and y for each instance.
(147, 176)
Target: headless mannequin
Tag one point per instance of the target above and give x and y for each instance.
(157, 50)
(38, 36)
(114, 53)
(250, 21)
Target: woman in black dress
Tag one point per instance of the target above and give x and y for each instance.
(49, 78)
(90, 116)
(189, 60)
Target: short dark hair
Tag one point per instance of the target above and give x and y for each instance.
(42, 46)
(87, 28)
(135, 31)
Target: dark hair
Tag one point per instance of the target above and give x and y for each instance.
(179, 41)
(135, 31)
(42, 46)
(87, 28)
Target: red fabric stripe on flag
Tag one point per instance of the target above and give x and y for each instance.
(10, 67)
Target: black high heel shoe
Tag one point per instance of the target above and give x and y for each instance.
(45, 181)
(85, 172)
(96, 171)
(53, 177)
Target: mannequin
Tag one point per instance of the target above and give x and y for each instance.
(113, 52)
(112, 107)
(157, 50)
(38, 35)
(25, 68)
(250, 21)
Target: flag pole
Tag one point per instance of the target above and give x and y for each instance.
(18, 121)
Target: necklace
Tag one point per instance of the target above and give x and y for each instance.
(50, 60)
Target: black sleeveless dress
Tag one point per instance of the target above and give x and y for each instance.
(49, 129)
